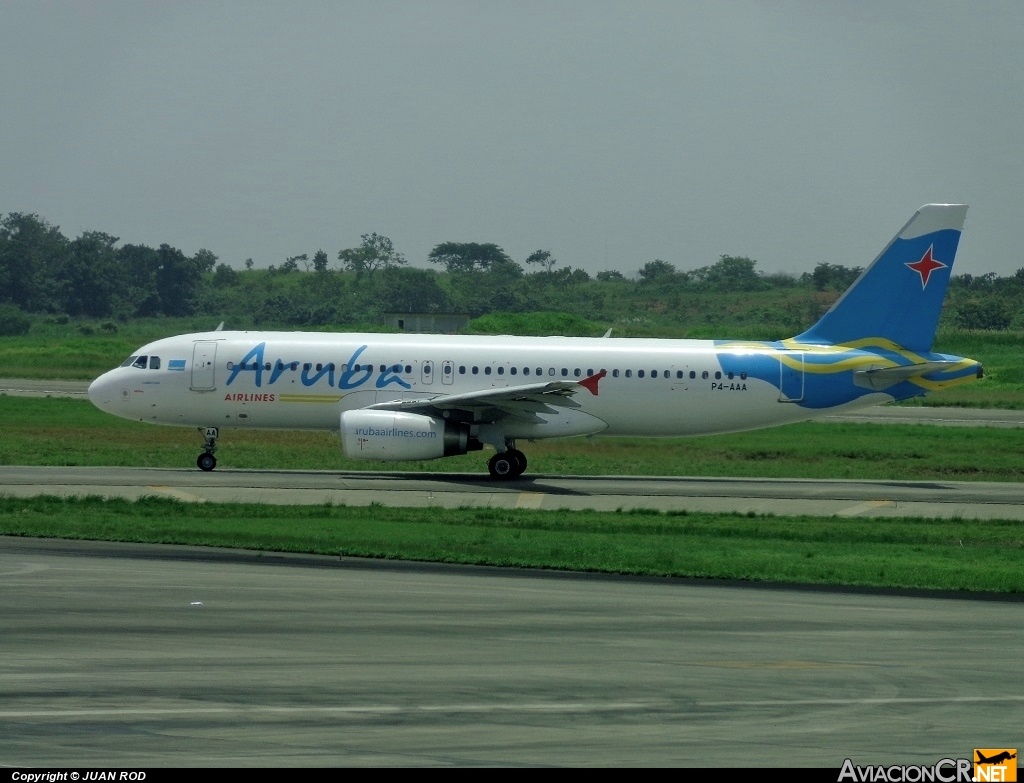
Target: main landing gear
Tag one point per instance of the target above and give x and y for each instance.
(507, 464)
(206, 461)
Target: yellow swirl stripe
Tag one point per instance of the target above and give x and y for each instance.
(938, 385)
(319, 398)
(853, 363)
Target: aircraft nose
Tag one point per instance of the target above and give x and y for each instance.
(101, 390)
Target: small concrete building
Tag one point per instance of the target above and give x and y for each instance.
(428, 323)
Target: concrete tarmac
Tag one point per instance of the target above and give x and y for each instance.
(118, 655)
(845, 498)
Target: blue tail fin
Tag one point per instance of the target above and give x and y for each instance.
(900, 295)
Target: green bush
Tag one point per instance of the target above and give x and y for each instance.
(13, 321)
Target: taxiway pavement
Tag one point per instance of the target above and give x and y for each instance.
(941, 499)
(121, 655)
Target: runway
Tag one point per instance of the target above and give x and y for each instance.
(844, 498)
(119, 655)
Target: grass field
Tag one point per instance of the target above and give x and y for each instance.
(950, 554)
(73, 432)
(909, 553)
(940, 554)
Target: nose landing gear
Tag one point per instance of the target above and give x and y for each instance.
(206, 461)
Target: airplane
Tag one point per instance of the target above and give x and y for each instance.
(996, 759)
(396, 397)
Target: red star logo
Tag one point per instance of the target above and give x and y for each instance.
(926, 266)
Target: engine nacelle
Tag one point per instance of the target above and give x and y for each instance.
(396, 436)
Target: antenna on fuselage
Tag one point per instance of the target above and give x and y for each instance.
(220, 327)
(608, 333)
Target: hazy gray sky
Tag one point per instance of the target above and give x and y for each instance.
(608, 133)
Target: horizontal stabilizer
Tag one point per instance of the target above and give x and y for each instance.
(884, 377)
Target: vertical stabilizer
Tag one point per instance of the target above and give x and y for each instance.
(899, 296)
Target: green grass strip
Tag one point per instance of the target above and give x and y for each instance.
(74, 432)
(983, 556)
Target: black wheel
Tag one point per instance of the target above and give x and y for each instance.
(206, 462)
(520, 459)
(502, 466)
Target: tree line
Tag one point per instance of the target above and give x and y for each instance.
(43, 272)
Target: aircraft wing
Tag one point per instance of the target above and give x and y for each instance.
(884, 377)
(490, 405)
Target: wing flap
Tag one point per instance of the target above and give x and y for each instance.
(522, 403)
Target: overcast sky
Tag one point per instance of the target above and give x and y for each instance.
(608, 133)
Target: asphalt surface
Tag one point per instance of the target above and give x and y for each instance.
(849, 498)
(121, 655)
(134, 655)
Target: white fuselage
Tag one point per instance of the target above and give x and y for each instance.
(290, 380)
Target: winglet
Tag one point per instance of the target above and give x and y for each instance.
(899, 296)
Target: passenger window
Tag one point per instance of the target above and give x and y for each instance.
(577, 372)
(704, 375)
(462, 369)
(615, 373)
(692, 375)
(526, 371)
(654, 373)
(476, 370)
(679, 373)
(447, 369)
(730, 376)
(551, 370)
(140, 362)
(426, 369)
(639, 373)
(487, 370)
(718, 375)
(154, 362)
(307, 367)
(295, 366)
(501, 371)
(589, 372)
(540, 371)
(512, 370)
(743, 375)
(319, 367)
(629, 373)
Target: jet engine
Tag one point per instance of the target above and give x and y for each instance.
(396, 436)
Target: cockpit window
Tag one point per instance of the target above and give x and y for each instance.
(129, 361)
(140, 362)
(154, 362)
